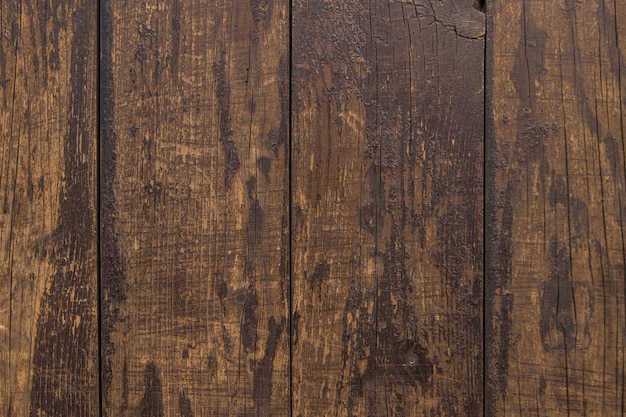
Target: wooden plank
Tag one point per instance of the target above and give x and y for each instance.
(48, 215)
(387, 208)
(556, 191)
(195, 208)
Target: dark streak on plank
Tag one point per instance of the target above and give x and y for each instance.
(232, 162)
(152, 401)
(184, 405)
(112, 265)
(262, 391)
(68, 303)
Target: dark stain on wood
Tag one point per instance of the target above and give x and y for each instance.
(175, 27)
(152, 401)
(212, 366)
(249, 322)
(321, 272)
(265, 165)
(262, 385)
(222, 91)
(124, 403)
(371, 215)
(283, 136)
(66, 325)
(558, 327)
(529, 64)
(221, 287)
(184, 405)
(112, 265)
(261, 11)
(256, 215)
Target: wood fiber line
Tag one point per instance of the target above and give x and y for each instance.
(387, 210)
(195, 208)
(557, 206)
(48, 200)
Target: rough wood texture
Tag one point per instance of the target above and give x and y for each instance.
(48, 195)
(195, 208)
(557, 205)
(387, 208)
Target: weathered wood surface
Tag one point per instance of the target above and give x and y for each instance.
(556, 209)
(387, 201)
(195, 274)
(308, 240)
(48, 209)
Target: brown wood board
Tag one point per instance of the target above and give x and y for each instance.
(556, 206)
(195, 271)
(48, 209)
(387, 208)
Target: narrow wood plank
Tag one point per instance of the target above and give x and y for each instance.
(48, 199)
(387, 208)
(557, 206)
(195, 208)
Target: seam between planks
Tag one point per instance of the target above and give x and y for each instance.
(487, 129)
(99, 6)
(290, 192)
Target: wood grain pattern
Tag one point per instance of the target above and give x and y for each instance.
(387, 208)
(291, 208)
(48, 200)
(195, 208)
(556, 192)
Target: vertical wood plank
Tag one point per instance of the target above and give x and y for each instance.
(48, 199)
(195, 208)
(387, 208)
(557, 206)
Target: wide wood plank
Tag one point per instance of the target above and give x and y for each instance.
(557, 207)
(387, 208)
(48, 209)
(195, 208)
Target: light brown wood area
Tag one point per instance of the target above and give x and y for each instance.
(312, 208)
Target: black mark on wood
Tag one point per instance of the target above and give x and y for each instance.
(261, 10)
(212, 365)
(321, 272)
(264, 164)
(124, 404)
(175, 50)
(558, 320)
(184, 405)
(263, 373)
(221, 287)
(372, 215)
(152, 401)
(231, 153)
(63, 356)
(250, 320)
(255, 215)
(112, 280)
